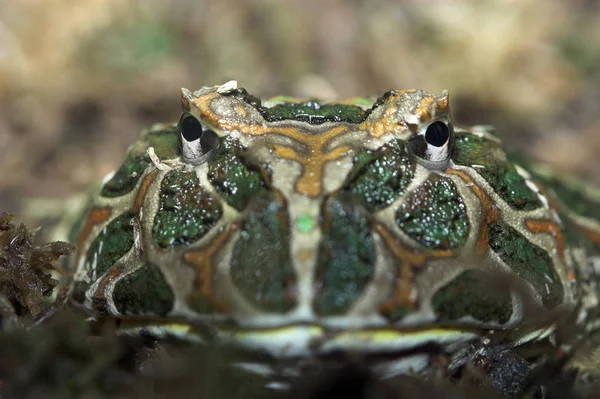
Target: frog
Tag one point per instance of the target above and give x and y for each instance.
(305, 229)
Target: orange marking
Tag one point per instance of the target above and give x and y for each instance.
(310, 183)
(555, 204)
(202, 261)
(96, 216)
(387, 124)
(410, 260)
(141, 194)
(423, 111)
(443, 103)
(241, 110)
(571, 275)
(113, 273)
(549, 227)
(431, 107)
(489, 210)
(591, 234)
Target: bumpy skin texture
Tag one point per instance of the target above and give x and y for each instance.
(316, 227)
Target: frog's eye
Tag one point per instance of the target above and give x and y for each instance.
(437, 134)
(198, 143)
(431, 144)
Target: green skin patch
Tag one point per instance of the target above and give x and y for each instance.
(435, 215)
(305, 223)
(527, 260)
(144, 292)
(165, 142)
(313, 111)
(186, 211)
(231, 177)
(346, 258)
(380, 178)
(112, 243)
(497, 171)
(261, 267)
(473, 293)
(571, 195)
(126, 177)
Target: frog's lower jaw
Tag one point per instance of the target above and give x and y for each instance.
(306, 340)
(284, 352)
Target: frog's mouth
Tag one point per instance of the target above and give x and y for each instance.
(310, 340)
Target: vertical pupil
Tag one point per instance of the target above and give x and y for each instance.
(190, 129)
(437, 134)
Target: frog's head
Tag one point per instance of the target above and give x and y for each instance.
(422, 116)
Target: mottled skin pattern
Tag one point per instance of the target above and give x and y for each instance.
(302, 239)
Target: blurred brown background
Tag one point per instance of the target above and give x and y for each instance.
(79, 79)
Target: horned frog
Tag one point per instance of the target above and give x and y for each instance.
(304, 229)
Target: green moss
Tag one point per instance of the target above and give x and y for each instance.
(435, 215)
(186, 211)
(232, 178)
(144, 292)
(125, 179)
(380, 178)
(112, 243)
(346, 257)
(497, 170)
(527, 260)
(261, 266)
(472, 293)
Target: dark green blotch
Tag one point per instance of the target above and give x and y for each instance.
(114, 241)
(200, 304)
(527, 260)
(261, 266)
(435, 215)
(125, 179)
(473, 293)
(313, 111)
(499, 172)
(186, 212)
(164, 141)
(380, 178)
(232, 178)
(346, 256)
(143, 292)
(569, 190)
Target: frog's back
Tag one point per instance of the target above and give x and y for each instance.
(305, 228)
